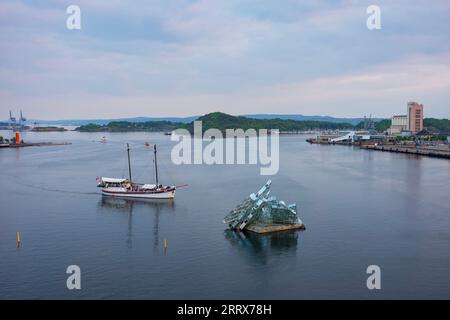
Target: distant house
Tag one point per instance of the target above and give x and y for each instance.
(424, 133)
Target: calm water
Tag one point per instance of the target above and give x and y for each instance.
(359, 207)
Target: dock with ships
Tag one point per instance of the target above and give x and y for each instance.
(436, 150)
(407, 134)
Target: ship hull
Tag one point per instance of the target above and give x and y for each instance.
(169, 194)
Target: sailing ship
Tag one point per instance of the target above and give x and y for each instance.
(127, 188)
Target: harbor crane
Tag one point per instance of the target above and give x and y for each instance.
(22, 118)
(17, 123)
(12, 120)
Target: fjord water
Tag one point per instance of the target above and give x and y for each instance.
(360, 208)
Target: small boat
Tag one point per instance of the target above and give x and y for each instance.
(127, 188)
(169, 133)
(103, 140)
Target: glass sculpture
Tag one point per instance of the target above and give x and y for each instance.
(261, 209)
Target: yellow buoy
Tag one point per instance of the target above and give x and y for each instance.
(18, 239)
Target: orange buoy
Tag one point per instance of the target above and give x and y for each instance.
(17, 137)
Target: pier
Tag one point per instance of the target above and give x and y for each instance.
(423, 151)
(17, 142)
(37, 144)
(436, 151)
(325, 141)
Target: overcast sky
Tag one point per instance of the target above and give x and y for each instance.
(186, 57)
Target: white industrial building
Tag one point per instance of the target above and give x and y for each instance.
(399, 124)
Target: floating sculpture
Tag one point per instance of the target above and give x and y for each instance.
(261, 213)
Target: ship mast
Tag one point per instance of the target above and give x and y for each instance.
(156, 167)
(129, 164)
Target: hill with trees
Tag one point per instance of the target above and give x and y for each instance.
(437, 125)
(223, 121)
(126, 126)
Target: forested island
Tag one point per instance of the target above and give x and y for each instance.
(48, 129)
(223, 121)
(126, 126)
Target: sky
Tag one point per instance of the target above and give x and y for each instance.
(183, 57)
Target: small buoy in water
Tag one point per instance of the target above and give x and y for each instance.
(147, 144)
(18, 239)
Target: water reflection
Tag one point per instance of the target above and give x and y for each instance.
(124, 203)
(130, 206)
(263, 246)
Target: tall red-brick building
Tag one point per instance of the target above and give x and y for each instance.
(415, 117)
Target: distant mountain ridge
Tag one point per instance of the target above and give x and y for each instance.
(81, 122)
(297, 117)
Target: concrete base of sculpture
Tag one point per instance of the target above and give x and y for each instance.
(270, 228)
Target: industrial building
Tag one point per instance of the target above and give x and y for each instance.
(411, 123)
(415, 117)
(399, 124)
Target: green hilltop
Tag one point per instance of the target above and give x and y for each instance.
(223, 121)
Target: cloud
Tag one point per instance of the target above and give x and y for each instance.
(380, 90)
(185, 57)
